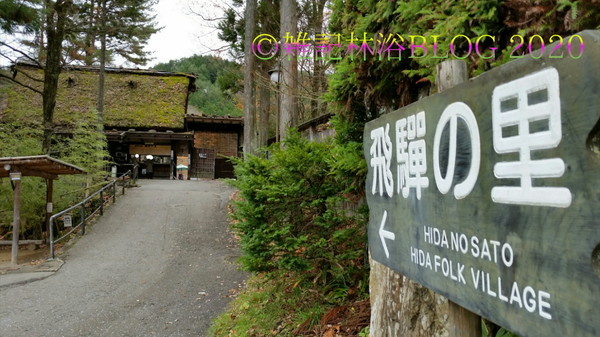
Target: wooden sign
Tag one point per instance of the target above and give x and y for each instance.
(488, 193)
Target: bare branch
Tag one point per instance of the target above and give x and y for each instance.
(212, 49)
(207, 18)
(221, 6)
(2, 75)
(31, 77)
(20, 52)
(7, 57)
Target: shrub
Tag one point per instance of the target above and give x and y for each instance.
(299, 211)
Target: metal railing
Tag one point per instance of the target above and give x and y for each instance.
(87, 205)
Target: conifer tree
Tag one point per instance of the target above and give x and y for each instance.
(126, 26)
(15, 13)
(109, 28)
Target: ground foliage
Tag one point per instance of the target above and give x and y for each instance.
(281, 304)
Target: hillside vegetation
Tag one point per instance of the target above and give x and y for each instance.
(218, 84)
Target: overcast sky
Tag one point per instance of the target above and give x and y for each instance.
(183, 34)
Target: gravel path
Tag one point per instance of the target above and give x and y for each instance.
(158, 263)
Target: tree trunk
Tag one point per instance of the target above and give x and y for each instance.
(55, 32)
(265, 106)
(249, 70)
(319, 85)
(102, 70)
(90, 42)
(289, 68)
(401, 307)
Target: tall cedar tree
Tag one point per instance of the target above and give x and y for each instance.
(310, 17)
(232, 30)
(127, 25)
(112, 27)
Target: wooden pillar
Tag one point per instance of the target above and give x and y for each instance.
(461, 322)
(16, 219)
(49, 207)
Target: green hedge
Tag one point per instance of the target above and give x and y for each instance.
(300, 210)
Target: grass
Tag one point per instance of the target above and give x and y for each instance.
(271, 305)
(278, 304)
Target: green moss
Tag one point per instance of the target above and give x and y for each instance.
(131, 100)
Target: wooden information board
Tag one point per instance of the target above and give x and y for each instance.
(489, 193)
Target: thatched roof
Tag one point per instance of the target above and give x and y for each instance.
(133, 97)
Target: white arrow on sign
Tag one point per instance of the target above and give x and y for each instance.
(383, 234)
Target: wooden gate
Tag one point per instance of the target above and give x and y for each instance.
(203, 163)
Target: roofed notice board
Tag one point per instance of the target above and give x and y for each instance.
(488, 193)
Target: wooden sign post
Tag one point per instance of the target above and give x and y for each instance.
(15, 178)
(488, 192)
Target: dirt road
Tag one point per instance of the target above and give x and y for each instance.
(158, 263)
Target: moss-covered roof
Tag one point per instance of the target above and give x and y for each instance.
(133, 98)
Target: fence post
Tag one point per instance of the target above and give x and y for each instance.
(102, 202)
(16, 220)
(82, 219)
(51, 234)
(123, 177)
(114, 188)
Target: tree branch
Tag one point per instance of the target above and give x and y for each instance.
(31, 77)
(2, 75)
(20, 52)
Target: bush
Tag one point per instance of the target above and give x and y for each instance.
(299, 211)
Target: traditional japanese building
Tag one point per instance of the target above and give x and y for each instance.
(145, 118)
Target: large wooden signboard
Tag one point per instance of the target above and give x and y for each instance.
(488, 193)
